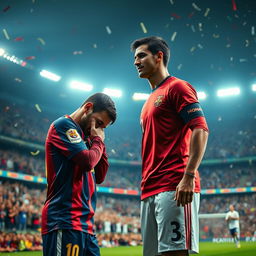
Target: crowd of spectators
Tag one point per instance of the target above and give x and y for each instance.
(214, 176)
(227, 139)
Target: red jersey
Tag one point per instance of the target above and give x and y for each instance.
(167, 119)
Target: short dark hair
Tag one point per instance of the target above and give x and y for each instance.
(102, 102)
(155, 44)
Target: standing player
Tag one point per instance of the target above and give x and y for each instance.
(232, 217)
(174, 140)
(75, 160)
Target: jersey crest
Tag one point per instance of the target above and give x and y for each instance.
(73, 136)
(159, 100)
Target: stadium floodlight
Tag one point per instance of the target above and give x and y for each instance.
(228, 92)
(2, 51)
(81, 86)
(201, 95)
(113, 92)
(140, 96)
(49, 75)
(254, 87)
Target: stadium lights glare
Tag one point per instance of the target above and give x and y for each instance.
(228, 92)
(49, 75)
(140, 96)
(113, 92)
(254, 87)
(2, 51)
(81, 86)
(201, 95)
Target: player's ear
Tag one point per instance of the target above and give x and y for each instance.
(88, 107)
(160, 56)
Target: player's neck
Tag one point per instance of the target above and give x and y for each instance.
(157, 78)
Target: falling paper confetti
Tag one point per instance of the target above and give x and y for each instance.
(77, 52)
(41, 40)
(207, 12)
(179, 67)
(234, 5)
(19, 39)
(196, 7)
(193, 28)
(247, 43)
(38, 108)
(176, 16)
(35, 153)
(6, 8)
(17, 80)
(143, 28)
(228, 45)
(173, 36)
(192, 49)
(242, 60)
(30, 58)
(171, 1)
(253, 31)
(200, 46)
(33, 1)
(108, 30)
(200, 27)
(6, 34)
(216, 35)
(95, 46)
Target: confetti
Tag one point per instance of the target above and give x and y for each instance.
(200, 46)
(6, 34)
(108, 30)
(6, 8)
(17, 80)
(143, 28)
(30, 58)
(193, 28)
(176, 16)
(19, 39)
(171, 1)
(77, 52)
(196, 7)
(191, 15)
(173, 36)
(228, 45)
(179, 67)
(216, 35)
(38, 108)
(207, 12)
(244, 23)
(234, 5)
(41, 40)
(242, 60)
(231, 58)
(35, 153)
(247, 43)
(33, 1)
(200, 26)
(219, 118)
(95, 46)
(192, 49)
(253, 31)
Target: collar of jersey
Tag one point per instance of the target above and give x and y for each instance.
(161, 83)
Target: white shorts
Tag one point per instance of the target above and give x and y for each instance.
(167, 227)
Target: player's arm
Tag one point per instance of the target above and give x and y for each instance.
(101, 168)
(185, 189)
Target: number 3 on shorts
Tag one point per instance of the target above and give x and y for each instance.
(176, 227)
(72, 250)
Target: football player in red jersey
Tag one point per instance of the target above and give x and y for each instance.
(174, 139)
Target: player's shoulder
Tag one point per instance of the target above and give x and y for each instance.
(64, 123)
(178, 84)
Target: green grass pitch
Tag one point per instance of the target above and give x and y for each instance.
(206, 249)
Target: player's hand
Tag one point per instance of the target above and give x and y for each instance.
(184, 191)
(96, 131)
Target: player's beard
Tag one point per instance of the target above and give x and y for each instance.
(85, 123)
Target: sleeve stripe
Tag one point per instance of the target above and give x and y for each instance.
(191, 111)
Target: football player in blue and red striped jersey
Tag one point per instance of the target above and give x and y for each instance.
(173, 143)
(75, 161)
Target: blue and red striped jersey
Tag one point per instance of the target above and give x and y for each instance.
(72, 171)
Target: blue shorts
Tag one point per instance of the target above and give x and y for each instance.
(69, 242)
(233, 231)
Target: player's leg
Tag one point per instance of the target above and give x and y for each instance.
(149, 227)
(177, 226)
(236, 239)
(92, 247)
